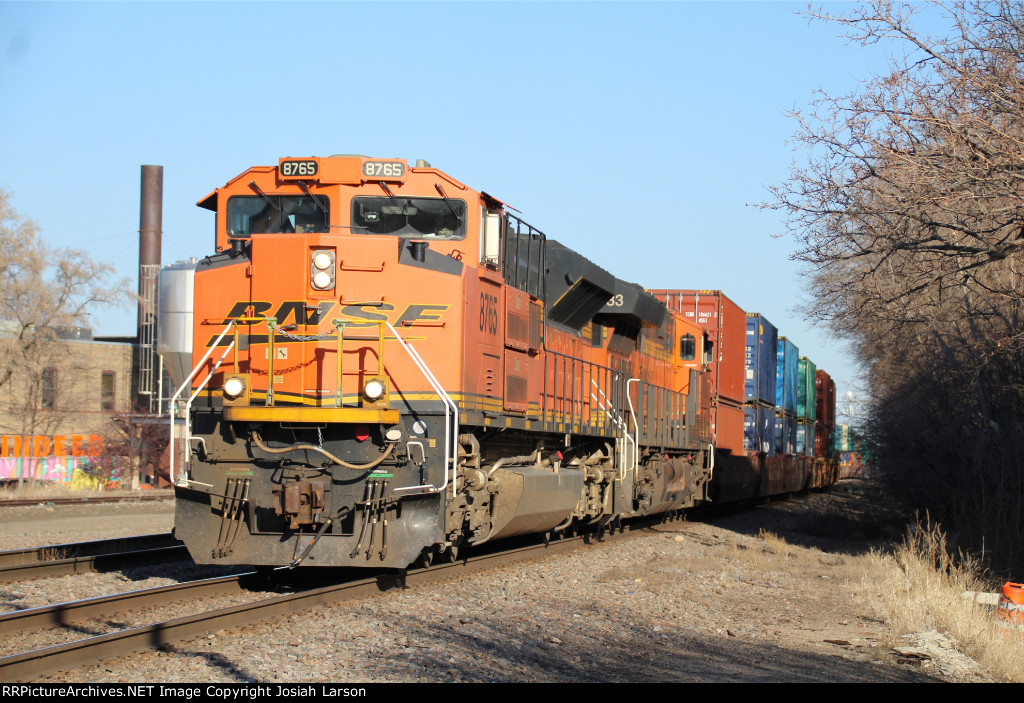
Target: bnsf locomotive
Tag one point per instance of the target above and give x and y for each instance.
(380, 365)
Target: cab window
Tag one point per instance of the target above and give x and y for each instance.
(248, 215)
(687, 347)
(413, 218)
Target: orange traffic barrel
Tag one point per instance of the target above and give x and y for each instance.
(1011, 605)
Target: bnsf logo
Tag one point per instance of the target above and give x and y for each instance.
(297, 312)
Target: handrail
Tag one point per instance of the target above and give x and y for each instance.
(202, 385)
(188, 382)
(449, 446)
(636, 427)
(616, 418)
(451, 409)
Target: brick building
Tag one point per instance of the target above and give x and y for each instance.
(58, 411)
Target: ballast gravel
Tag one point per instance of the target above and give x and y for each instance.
(687, 601)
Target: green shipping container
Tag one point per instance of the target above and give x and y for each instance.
(806, 371)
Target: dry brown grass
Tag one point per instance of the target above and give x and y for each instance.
(923, 588)
(37, 491)
(777, 545)
(53, 554)
(769, 552)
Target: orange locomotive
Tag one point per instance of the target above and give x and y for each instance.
(381, 365)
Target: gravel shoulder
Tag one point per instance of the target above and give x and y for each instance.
(46, 524)
(715, 600)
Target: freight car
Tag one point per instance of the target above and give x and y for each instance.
(380, 365)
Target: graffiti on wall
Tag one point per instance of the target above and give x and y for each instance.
(71, 459)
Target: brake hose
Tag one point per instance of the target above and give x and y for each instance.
(299, 447)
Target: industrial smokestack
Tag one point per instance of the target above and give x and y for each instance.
(150, 229)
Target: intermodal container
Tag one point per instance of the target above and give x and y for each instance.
(825, 399)
(785, 433)
(823, 437)
(844, 441)
(805, 399)
(725, 324)
(759, 429)
(760, 360)
(787, 374)
(727, 428)
(805, 437)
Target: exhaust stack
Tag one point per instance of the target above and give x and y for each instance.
(150, 230)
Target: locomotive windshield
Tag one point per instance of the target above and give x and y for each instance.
(253, 214)
(440, 218)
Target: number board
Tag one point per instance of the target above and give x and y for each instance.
(303, 168)
(383, 170)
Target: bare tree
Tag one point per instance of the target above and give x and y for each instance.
(914, 183)
(44, 294)
(908, 209)
(135, 444)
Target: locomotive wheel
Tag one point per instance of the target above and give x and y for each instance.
(426, 557)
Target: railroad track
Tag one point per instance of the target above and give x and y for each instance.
(133, 498)
(84, 557)
(92, 650)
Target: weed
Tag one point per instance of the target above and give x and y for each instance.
(775, 544)
(53, 553)
(923, 589)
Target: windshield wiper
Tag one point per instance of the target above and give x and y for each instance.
(323, 208)
(384, 187)
(252, 184)
(440, 190)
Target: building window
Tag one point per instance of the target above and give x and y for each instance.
(49, 388)
(107, 385)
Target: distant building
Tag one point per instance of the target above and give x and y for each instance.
(57, 410)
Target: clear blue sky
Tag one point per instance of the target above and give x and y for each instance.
(637, 133)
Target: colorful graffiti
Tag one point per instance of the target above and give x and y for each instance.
(64, 445)
(69, 459)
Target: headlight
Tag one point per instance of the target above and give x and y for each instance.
(322, 260)
(322, 280)
(321, 269)
(373, 390)
(234, 387)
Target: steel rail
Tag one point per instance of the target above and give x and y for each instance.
(90, 563)
(90, 608)
(113, 545)
(85, 652)
(140, 497)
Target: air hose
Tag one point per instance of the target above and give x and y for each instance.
(300, 447)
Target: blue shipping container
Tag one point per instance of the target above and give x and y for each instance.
(761, 358)
(785, 434)
(805, 437)
(786, 376)
(759, 429)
